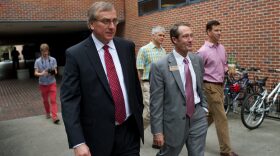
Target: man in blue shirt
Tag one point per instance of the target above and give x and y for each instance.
(46, 69)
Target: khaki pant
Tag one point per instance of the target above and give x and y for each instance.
(146, 100)
(215, 98)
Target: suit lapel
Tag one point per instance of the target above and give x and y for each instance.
(94, 58)
(195, 68)
(194, 64)
(123, 60)
(176, 73)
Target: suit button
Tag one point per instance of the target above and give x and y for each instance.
(184, 118)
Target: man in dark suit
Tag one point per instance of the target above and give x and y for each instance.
(178, 105)
(101, 96)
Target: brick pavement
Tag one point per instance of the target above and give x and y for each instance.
(21, 98)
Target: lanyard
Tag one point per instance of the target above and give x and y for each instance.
(45, 64)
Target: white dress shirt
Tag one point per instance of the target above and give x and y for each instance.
(112, 49)
(181, 65)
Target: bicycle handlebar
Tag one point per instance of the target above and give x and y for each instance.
(273, 70)
(254, 69)
(248, 69)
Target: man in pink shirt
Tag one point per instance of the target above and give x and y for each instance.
(215, 64)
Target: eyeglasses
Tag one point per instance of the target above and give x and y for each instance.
(107, 22)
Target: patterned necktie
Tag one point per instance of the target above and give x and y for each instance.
(189, 90)
(115, 86)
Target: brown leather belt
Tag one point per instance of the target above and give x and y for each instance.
(216, 83)
(145, 81)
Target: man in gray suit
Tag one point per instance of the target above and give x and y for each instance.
(178, 107)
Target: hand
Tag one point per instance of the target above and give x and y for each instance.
(45, 73)
(206, 111)
(82, 150)
(158, 139)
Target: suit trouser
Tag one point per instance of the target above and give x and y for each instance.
(46, 92)
(127, 139)
(146, 100)
(194, 138)
(215, 98)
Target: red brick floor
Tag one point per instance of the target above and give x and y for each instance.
(21, 98)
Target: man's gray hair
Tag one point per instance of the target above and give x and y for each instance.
(158, 29)
(98, 7)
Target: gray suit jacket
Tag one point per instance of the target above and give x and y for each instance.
(168, 101)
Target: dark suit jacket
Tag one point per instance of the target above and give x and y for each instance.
(87, 103)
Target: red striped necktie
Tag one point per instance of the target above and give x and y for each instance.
(115, 86)
(189, 90)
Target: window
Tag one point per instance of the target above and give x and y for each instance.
(148, 6)
(171, 3)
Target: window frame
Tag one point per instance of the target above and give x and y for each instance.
(160, 8)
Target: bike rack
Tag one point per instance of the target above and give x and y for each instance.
(275, 114)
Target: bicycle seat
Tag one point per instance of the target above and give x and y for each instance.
(261, 82)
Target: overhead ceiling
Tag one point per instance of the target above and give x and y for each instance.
(25, 27)
(22, 29)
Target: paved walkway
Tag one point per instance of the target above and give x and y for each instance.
(24, 131)
(37, 136)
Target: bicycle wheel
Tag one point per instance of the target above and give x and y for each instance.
(227, 103)
(248, 90)
(253, 111)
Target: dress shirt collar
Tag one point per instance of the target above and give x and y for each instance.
(154, 46)
(179, 57)
(211, 45)
(99, 45)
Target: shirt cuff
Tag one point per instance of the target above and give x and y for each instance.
(206, 110)
(78, 145)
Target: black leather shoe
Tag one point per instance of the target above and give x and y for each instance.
(155, 146)
(56, 121)
(229, 154)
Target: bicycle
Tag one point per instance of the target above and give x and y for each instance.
(258, 105)
(235, 91)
